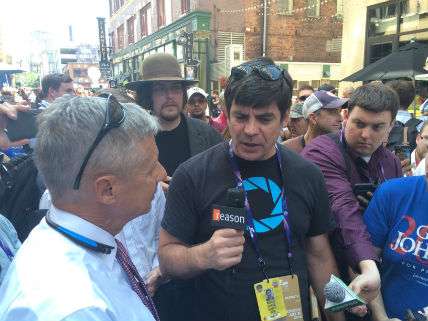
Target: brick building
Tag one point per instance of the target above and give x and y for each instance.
(138, 28)
(302, 35)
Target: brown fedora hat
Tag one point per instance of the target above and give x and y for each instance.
(159, 67)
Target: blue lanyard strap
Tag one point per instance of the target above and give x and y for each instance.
(6, 250)
(249, 212)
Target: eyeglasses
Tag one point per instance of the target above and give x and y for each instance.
(173, 87)
(267, 72)
(303, 98)
(114, 117)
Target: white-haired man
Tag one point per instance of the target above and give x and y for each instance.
(99, 161)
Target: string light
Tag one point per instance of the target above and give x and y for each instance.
(259, 6)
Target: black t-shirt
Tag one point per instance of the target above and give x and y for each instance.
(173, 146)
(204, 180)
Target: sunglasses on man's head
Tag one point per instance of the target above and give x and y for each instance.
(114, 117)
(267, 72)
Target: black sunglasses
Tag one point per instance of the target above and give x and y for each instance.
(114, 117)
(267, 72)
(303, 98)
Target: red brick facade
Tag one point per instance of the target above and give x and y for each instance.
(294, 37)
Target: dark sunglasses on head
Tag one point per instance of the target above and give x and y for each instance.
(267, 72)
(114, 117)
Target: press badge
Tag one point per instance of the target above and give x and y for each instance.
(279, 299)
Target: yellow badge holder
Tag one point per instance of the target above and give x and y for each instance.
(279, 299)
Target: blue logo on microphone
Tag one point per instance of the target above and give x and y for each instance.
(270, 187)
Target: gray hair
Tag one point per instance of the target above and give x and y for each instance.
(68, 127)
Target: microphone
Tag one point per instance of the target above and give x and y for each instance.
(334, 292)
(414, 316)
(233, 215)
(339, 297)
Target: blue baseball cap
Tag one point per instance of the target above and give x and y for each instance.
(322, 99)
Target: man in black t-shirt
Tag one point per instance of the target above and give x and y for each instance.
(163, 90)
(225, 262)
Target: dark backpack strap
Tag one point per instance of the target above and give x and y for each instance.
(22, 195)
(335, 137)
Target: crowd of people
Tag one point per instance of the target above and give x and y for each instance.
(159, 201)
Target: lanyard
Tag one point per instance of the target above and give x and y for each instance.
(79, 239)
(252, 231)
(6, 250)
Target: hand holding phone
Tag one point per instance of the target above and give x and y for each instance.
(9, 111)
(364, 193)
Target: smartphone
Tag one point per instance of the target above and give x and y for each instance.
(362, 189)
(24, 126)
(403, 151)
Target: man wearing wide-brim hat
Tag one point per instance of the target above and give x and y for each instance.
(162, 89)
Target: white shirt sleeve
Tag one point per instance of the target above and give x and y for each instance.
(160, 208)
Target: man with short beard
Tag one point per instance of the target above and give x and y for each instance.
(163, 91)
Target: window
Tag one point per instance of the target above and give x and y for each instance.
(161, 12)
(313, 8)
(120, 37)
(144, 22)
(378, 51)
(285, 6)
(185, 6)
(326, 72)
(382, 20)
(392, 24)
(413, 17)
(130, 29)
(315, 83)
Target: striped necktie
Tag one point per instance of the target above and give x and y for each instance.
(137, 283)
